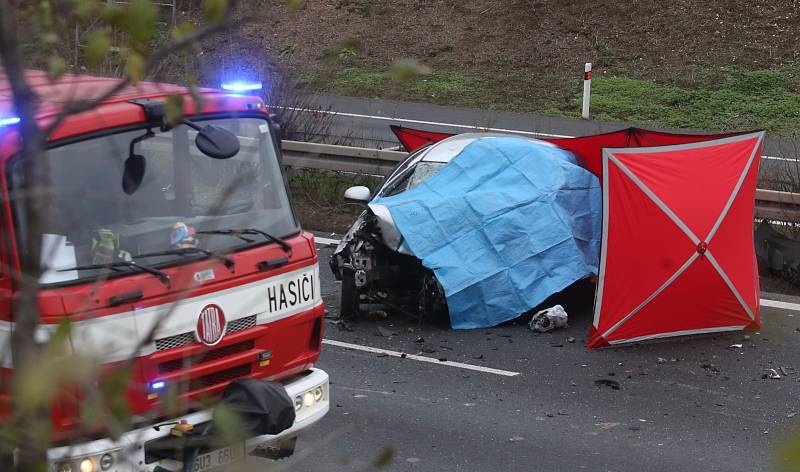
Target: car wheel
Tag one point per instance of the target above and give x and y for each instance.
(349, 303)
(432, 302)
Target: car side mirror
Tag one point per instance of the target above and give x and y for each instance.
(357, 194)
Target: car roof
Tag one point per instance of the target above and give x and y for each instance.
(444, 151)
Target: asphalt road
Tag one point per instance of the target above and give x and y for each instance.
(684, 404)
(365, 122)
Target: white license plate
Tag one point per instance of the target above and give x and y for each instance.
(218, 458)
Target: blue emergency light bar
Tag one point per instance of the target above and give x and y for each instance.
(241, 86)
(157, 385)
(8, 120)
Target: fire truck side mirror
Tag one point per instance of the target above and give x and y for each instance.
(217, 142)
(214, 141)
(133, 174)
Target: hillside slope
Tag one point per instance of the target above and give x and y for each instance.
(529, 55)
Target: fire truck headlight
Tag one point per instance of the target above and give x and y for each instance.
(87, 465)
(298, 403)
(308, 399)
(318, 394)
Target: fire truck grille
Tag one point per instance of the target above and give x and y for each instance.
(208, 356)
(184, 339)
(241, 324)
(216, 378)
(174, 341)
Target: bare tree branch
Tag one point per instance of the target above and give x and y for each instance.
(75, 107)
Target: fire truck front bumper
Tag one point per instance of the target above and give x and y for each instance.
(310, 392)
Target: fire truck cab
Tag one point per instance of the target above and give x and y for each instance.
(174, 251)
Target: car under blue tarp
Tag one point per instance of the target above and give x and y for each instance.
(507, 223)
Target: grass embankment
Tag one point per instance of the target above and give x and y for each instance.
(739, 100)
(319, 198)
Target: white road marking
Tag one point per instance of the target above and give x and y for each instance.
(431, 360)
(764, 301)
(779, 304)
(326, 241)
(434, 123)
(474, 128)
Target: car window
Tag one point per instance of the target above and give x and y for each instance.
(423, 172)
(418, 174)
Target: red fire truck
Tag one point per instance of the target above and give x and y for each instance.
(175, 245)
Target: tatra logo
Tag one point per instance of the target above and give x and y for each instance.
(211, 325)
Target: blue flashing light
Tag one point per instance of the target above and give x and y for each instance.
(241, 86)
(157, 385)
(8, 120)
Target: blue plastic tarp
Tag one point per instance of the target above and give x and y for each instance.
(507, 223)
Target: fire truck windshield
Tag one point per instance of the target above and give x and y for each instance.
(185, 200)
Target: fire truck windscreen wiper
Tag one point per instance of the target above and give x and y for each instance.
(241, 233)
(188, 251)
(163, 277)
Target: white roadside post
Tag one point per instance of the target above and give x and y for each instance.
(587, 89)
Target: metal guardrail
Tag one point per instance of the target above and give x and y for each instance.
(357, 160)
(770, 204)
(778, 206)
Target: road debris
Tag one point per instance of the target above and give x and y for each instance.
(420, 340)
(661, 360)
(613, 384)
(343, 325)
(548, 319)
(735, 346)
(772, 374)
(377, 315)
(386, 333)
(570, 339)
(605, 426)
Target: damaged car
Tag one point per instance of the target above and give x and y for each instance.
(480, 226)
(372, 261)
